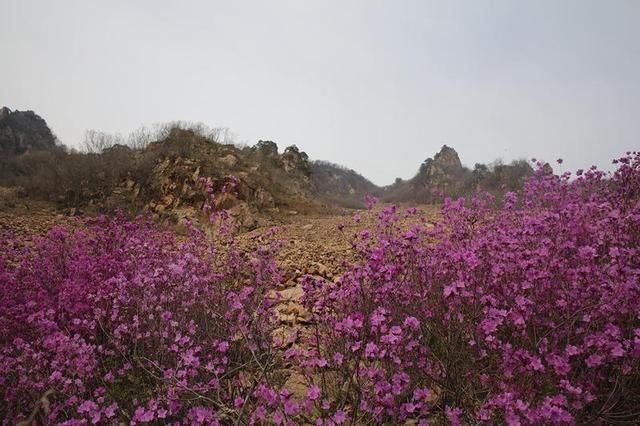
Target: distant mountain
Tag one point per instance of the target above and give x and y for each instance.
(444, 175)
(22, 131)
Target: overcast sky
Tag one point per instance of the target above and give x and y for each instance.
(375, 85)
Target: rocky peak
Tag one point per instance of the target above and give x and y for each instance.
(447, 158)
(22, 131)
(444, 162)
(4, 112)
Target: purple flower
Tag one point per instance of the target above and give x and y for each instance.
(143, 415)
(339, 417)
(291, 407)
(223, 346)
(370, 350)
(370, 201)
(278, 419)
(412, 322)
(87, 407)
(454, 414)
(313, 393)
(594, 360)
(238, 402)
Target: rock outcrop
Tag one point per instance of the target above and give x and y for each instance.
(443, 170)
(443, 165)
(442, 174)
(168, 182)
(22, 131)
(445, 176)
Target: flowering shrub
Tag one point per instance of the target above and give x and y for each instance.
(119, 321)
(527, 313)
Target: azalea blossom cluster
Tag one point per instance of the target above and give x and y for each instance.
(118, 321)
(526, 312)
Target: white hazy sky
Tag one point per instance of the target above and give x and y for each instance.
(375, 85)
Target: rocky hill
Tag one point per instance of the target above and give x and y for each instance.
(437, 177)
(441, 174)
(164, 177)
(22, 131)
(444, 175)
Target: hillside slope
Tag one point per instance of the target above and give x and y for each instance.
(341, 186)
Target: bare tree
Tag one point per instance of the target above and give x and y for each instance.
(140, 138)
(96, 142)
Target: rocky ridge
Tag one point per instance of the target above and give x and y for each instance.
(164, 178)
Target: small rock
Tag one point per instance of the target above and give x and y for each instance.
(287, 284)
(228, 161)
(293, 313)
(291, 294)
(297, 385)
